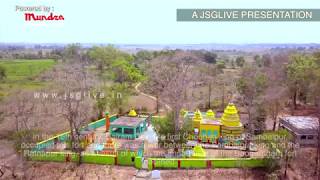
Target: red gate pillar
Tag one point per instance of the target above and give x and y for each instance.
(107, 121)
(153, 164)
(209, 164)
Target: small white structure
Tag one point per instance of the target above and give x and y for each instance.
(155, 174)
(303, 128)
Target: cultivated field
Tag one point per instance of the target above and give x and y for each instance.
(22, 74)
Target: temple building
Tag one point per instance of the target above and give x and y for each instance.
(208, 128)
(128, 127)
(231, 125)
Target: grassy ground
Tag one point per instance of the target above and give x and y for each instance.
(22, 74)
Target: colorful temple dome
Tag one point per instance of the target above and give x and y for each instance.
(132, 113)
(197, 119)
(110, 144)
(109, 147)
(198, 152)
(197, 115)
(210, 114)
(230, 117)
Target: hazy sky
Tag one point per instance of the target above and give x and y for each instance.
(151, 22)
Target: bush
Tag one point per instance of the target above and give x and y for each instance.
(165, 126)
(221, 65)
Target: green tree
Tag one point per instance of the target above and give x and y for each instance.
(258, 60)
(143, 55)
(316, 55)
(72, 52)
(123, 71)
(101, 104)
(280, 147)
(300, 74)
(3, 73)
(167, 134)
(266, 60)
(251, 86)
(117, 97)
(315, 86)
(221, 65)
(166, 52)
(210, 57)
(105, 56)
(240, 61)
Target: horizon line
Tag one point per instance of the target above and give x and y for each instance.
(256, 43)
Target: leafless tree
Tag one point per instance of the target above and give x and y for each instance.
(74, 105)
(208, 74)
(173, 75)
(248, 92)
(276, 93)
(21, 107)
(275, 100)
(159, 76)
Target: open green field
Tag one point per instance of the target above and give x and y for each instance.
(23, 74)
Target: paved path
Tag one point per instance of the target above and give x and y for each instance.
(143, 174)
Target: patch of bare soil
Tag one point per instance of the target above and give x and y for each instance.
(221, 174)
(142, 102)
(70, 171)
(10, 162)
(303, 165)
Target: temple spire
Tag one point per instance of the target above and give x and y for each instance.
(132, 113)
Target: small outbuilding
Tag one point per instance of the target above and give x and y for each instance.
(303, 128)
(128, 127)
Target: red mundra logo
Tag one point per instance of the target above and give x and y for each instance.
(51, 17)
